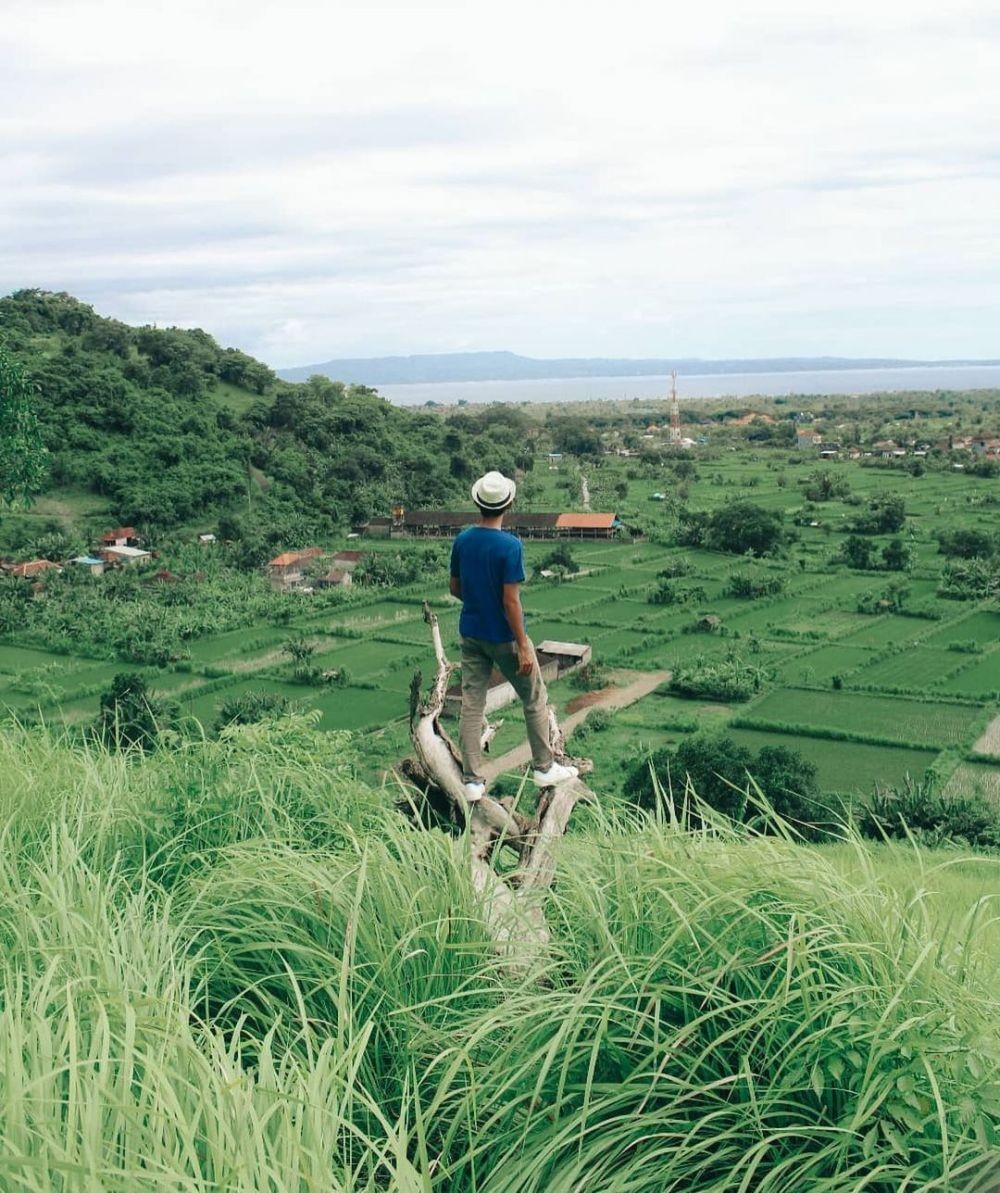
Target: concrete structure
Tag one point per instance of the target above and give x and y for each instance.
(567, 656)
(93, 565)
(125, 556)
(806, 440)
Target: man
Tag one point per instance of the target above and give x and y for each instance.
(487, 570)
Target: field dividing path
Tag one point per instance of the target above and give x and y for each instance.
(643, 683)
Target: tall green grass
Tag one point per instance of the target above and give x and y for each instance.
(233, 968)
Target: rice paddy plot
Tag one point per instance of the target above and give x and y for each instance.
(974, 778)
(379, 614)
(685, 648)
(916, 667)
(364, 658)
(819, 666)
(358, 708)
(982, 627)
(238, 642)
(555, 598)
(887, 629)
(16, 659)
(981, 679)
(903, 719)
(612, 642)
(849, 768)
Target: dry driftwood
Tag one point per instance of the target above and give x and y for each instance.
(513, 901)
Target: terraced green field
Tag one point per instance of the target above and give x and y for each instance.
(808, 638)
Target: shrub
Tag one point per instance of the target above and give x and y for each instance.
(598, 720)
(743, 584)
(917, 809)
(590, 677)
(731, 678)
(132, 715)
(250, 707)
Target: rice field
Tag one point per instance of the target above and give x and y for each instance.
(910, 721)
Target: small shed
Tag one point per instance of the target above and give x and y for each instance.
(567, 656)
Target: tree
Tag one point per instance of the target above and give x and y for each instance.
(131, 715)
(743, 526)
(885, 514)
(896, 556)
(23, 464)
(856, 552)
(715, 765)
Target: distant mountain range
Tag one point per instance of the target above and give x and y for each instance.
(508, 366)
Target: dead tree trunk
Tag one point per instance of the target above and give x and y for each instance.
(514, 901)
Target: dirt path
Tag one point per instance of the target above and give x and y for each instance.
(643, 683)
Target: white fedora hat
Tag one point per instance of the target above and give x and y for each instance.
(494, 491)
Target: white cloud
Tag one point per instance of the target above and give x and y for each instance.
(337, 179)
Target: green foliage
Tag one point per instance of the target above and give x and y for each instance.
(970, 579)
(891, 599)
(857, 552)
(23, 463)
(967, 543)
(390, 569)
(918, 809)
(231, 967)
(725, 776)
(598, 720)
(710, 678)
(133, 716)
(248, 708)
(753, 585)
(885, 514)
(823, 485)
(559, 557)
(590, 677)
(896, 556)
(130, 414)
(738, 527)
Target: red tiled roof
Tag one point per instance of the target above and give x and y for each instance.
(285, 559)
(585, 521)
(123, 532)
(32, 568)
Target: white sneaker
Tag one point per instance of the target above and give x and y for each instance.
(557, 773)
(474, 791)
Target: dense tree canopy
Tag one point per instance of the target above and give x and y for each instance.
(171, 428)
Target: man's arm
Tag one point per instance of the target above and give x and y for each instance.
(515, 619)
(455, 587)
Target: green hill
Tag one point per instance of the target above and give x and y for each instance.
(163, 427)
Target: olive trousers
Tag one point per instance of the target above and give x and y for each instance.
(479, 658)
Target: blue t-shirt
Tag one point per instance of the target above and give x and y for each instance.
(484, 561)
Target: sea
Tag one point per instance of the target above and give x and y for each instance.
(699, 385)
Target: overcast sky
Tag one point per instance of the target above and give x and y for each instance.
(312, 180)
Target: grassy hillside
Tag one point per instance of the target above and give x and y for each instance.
(231, 966)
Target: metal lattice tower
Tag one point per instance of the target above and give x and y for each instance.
(675, 410)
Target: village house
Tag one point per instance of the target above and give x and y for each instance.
(125, 556)
(347, 561)
(287, 570)
(123, 536)
(447, 523)
(807, 439)
(30, 569)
